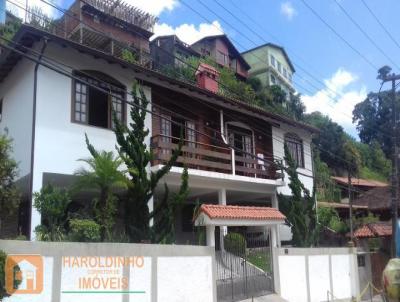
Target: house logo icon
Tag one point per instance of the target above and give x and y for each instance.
(24, 274)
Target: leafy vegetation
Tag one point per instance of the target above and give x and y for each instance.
(235, 243)
(272, 98)
(329, 218)
(105, 176)
(84, 230)
(52, 203)
(299, 208)
(3, 292)
(137, 157)
(9, 194)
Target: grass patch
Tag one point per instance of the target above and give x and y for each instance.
(260, 259)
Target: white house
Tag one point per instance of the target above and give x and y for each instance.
(231, 147)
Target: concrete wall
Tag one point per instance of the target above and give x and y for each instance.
(278, 135)
(164, 273)
(310, 274)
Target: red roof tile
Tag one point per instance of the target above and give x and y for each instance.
(241, 212)
(377, 229)
(360, 182)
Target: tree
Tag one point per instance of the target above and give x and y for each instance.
(137, 157)
(52, 203)
(299, 208)
(9, 194)
(373, 118)
(105, 176)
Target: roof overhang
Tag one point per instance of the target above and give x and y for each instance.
(28, 35)
(223, 215)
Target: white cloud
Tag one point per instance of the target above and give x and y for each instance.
(154, 7)
(189, 33)
(337, 88)
(288, 10)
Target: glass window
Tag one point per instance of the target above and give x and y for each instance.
(279, 67)
(285, 72)
(273, 80)
(191, 134)
(295, 146)
(93, 106)
(273, 61)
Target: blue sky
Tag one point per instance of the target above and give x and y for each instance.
(309, 43)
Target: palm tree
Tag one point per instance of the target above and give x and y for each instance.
(105, 176)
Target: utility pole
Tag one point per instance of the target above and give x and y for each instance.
(350, 206)
(394, 177)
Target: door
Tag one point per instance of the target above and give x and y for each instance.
(242, 140)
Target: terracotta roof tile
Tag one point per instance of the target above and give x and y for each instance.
(377, 229)
(241, 212)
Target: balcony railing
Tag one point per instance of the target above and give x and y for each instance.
(200, 156)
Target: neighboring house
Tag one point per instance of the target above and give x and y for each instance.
(47, 114)
(271, 64)
(222, 51)
(359, 186)
(378, 201)
(170, 51)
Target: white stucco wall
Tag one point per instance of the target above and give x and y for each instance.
(17, 93)
(309, 274)
(278, 138)
(59, 142)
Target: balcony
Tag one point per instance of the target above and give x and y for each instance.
(200, 156)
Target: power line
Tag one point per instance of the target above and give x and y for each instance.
(339, 35)
(365, 33)
(258, 130)
(381, 24)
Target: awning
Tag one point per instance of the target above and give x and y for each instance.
(227, 215)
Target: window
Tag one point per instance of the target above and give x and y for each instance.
(190, 134)
(295, 146)
(223, 58)
(273, 80)
(95, 107)
(1, 109)
(285, 72)
(279, 67)
(273, 61)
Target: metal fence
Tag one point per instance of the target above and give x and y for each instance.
(244, 266)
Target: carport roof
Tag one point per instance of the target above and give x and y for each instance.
(241, 212)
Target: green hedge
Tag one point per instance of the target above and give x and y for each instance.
(235, 243)
(84, 230)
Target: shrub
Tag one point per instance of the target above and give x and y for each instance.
(235, 243)
(3, 293)
(52, 203)
(84, 230)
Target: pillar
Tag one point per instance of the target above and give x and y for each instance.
(275, 228)
(210, 234)
(223, 230)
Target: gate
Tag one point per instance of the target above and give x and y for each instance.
(244, 266)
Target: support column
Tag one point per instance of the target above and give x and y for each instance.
(36, 218)
(210, 234)
(223, 230)
(275, 229)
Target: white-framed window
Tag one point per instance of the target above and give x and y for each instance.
(285, 73)
(279, 67)
(295, 146)
(273, 61)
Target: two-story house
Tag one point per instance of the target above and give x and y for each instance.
(231, 147)
(170, 51)
(222, 51)
(271, 64)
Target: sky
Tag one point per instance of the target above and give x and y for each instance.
(332, 75)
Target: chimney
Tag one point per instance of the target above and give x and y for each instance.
(207, 77)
